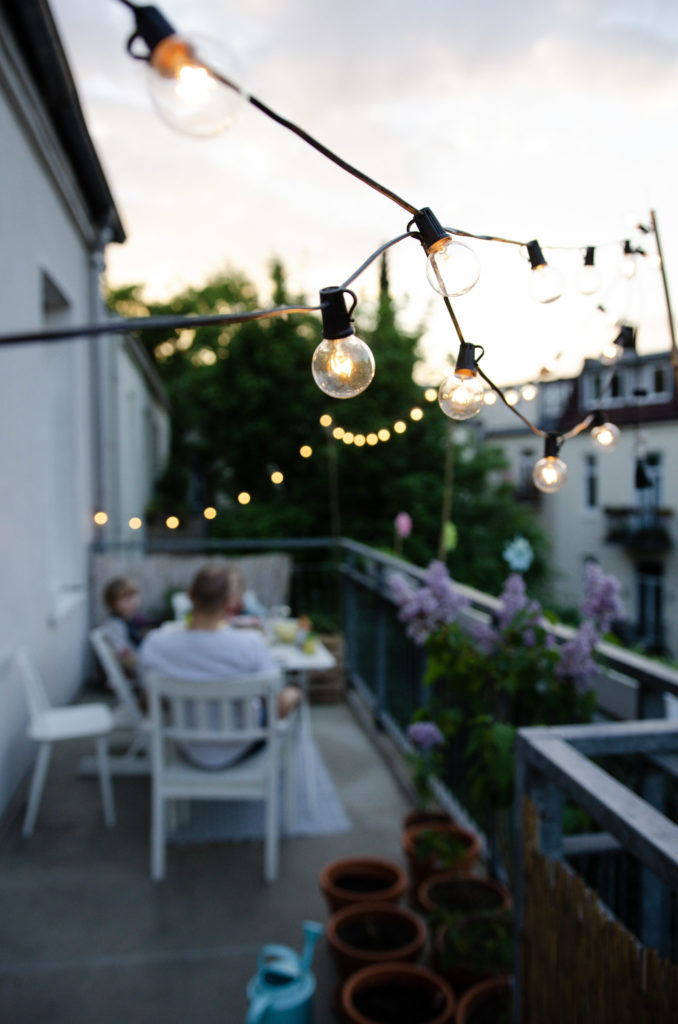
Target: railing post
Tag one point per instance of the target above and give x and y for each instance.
(380, 646)
(349, 616)
(655, 924)
(520, 790)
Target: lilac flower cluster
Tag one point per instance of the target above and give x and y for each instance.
(426, 608)
(514, 600)
(602, 603)
(576, 657)
(425, 735)
(485, 637)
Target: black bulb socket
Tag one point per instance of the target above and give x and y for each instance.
(551, 446)
(535, 255)
(430, 229)
(466, 360)
(151, 26)
(590, 253)
(336, 318)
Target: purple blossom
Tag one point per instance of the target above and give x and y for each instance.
(403, 524)
(529, 637)
(425, 735)
(485, 637)
(430, 606)
(602, 601)
(576, 656)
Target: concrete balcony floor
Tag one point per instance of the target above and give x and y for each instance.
(87, 938)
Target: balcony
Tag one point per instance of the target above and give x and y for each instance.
(640, 531)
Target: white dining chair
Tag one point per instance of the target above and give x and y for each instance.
(220, 711)
(48, 725)
(128, 716)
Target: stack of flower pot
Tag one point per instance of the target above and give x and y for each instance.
(376, 941)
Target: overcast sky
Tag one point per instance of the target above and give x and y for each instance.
(553, 119)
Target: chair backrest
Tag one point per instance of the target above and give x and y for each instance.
(117, 680)
(36, 694)
(221, 710)
(181, 604)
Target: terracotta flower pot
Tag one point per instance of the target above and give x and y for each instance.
(422, 867)
(361, 880)
(422, 817)
(397, 994)
(465, 894)
(490, 1002)
(369, 933)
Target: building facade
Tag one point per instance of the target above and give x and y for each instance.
(84, 423)
(618, 506)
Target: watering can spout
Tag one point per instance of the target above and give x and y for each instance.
(312, 932)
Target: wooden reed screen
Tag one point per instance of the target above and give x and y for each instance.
(578, 965)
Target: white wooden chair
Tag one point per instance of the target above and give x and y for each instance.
(128, 715)
(49, 725)
(220, 711)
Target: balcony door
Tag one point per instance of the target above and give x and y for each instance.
(650, 605)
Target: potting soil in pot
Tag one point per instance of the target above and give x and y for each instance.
(458, 896)
(372, 933)
(496, 1009)
(362, 883)
(399, 1004)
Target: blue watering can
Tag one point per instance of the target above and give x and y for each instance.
(282, 990)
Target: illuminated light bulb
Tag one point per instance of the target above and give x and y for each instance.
(529, 392)
(172, 522)
(244, 498)
(610, 354)
(461, 395)
(431, 394)
(400, 426)
(550, 472)
(452, 268)
(342, 364)
(372, 439)
(546, 283)
(604, 435)
(277, 477)
(359, 440)
(191, 80)
(306, 451)
(135, 523)
(490, 398)
(100, 517)
(348, 437)
(384, 434)
(628, 263)
(511, 397)
(416, 414)
(338, 433)
(210, 512)
(325, 420)
(589, 277)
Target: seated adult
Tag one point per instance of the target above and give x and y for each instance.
(209, 649)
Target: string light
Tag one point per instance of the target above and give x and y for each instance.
(325, 420)
(210, 512)
(172, 522)
(277, 477)
(603, 434)
(462, 393)
(490, 398)
(416, 414)
(550, 472)
(342, 364)
(244, 498)
(431, 394)
(529, 392)
(452, 268)
(628, 263)
(511, 397)
(306, 451)
(100, 517)
(546, 283)
(589, 278)
(400, 426)
(135, 523)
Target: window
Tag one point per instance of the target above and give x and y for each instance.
(590, 481)
(526, 461)
(649, 481)
(650, 605)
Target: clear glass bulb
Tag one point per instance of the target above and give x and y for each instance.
(610, 354)
(461, 396)
(529, 392)
(628, 266)
(343, 367)
(451, 267)
(605, 436)
(184, 91)
(589, 280)
(549, 474)
(546, 283)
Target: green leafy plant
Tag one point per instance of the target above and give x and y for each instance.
(477, 941)
(444, 849)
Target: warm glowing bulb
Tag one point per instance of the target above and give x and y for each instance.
(348, 437)
(185, 86)
(546, 283)
(549, 474)
(628, 266)
(416, 414)
(451, 267)
(431, 394)
(325, 420)
(606, 436)
(372, 439)
(359, 440)
(171, 522)
(610, 353)
(277, 477)
(338, 433)
(306, 451)
(511, 397)
(135, 523)
(490, 398)
(384, 434)
(210, 512)
(244, 498)
(100, 518)
(343, 367)
(461, 395)
(528, 392)
(589, 280)
(400, 426)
